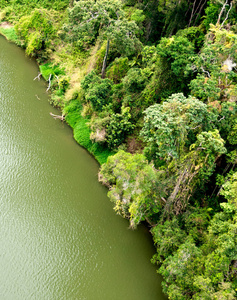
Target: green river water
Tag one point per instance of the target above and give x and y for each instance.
(59, 236)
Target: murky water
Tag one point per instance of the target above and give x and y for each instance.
(59, 236)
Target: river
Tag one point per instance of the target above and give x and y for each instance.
(59, 236)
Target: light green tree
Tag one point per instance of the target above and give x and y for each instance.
(89, 20)
(168, 125)
(136, 187)
(36, 30)
(215, 67)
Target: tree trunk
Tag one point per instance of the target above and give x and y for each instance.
(105, 60)
(221, 13)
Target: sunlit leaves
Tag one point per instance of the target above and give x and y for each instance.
(134, 186)
(36, 30)
(167, 125)
(90, 19)
(215, 67)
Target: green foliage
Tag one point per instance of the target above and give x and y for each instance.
(148, 55)
(206, 270)
(190, 143)
(210, 142)
(72, 110)
(167, 125)
(36, 30)
(230, 190)
(81, 131)
(139, 17)
(134, 82)
(179, 14)
(97, 90)
(195, 35)
(226, 120)
(215, 66)
(89, 19)
(177, 52)
(10, 34)
(179, 270)
(167, 238)
(63, 83)
(118, 128)
(232, 136)
(213, 10)
(24, 7)
(49, 69)
(196, 223)
(118, 69)
(133, 184)
(169, 68)
(123, 36)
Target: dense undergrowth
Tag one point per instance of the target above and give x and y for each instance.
(150, 89)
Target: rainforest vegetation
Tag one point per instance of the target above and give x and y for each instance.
(150, 89)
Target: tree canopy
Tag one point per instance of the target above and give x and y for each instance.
(150, 89)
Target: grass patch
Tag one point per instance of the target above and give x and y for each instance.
(10, 35)
(81, 131)
(49, 69)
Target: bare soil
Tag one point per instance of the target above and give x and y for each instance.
(5, 25)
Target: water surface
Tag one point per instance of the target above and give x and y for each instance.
(59, 236)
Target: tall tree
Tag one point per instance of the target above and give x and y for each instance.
(90, 19)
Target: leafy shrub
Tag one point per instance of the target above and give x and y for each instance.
(118, 69)
(119, 127)
(97, 90)
(36, 30)
(49, 68)
(134, 82)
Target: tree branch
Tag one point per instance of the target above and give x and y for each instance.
(221, 12)
(199, 11)
(204, 71)
(62, 117)
(227, 15)
(192, 13)
(105, 60)
(49, 80)
(38, 76)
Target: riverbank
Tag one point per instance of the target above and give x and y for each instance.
(60, 239)
(8, 31)
(164, 98)
(71, 109)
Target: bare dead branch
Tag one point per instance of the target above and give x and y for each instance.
(38, 76)
(221, 118)
(200, 10)
(221, 12)
(62, 117)
(49, 80)
(204, 71)
(227, 15)
(190, 20)
(196, 127)
(163, 199)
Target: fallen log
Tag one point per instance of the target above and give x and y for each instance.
(62, 117)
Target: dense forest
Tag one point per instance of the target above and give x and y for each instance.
(150, 89)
